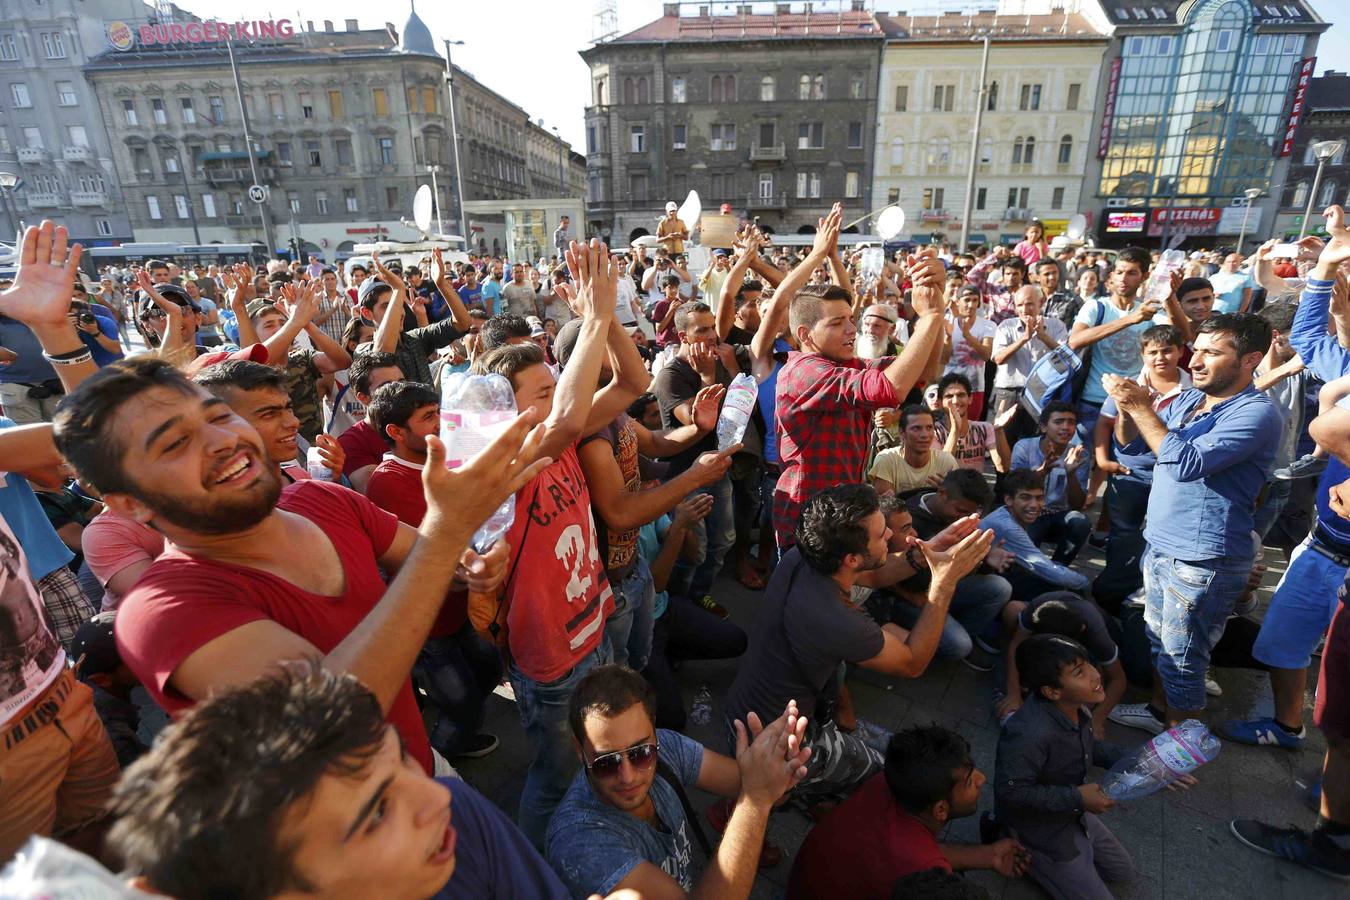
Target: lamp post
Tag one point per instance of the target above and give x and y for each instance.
(1324, 151)
(263, 209)
(454, 141)
(436, 196)
(8, 181)
(980, 95)
(1251, 194)
(562, 177)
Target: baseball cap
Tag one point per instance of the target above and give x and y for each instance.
(171, 292)
(369, 287)
(252, 353)
(719, 252)
(969, 289)
(671, 207)
(93, 648)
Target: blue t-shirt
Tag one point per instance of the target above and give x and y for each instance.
(471, 295)
(1228, 290)
(30, 367)
(650, 537)
(1117, 355)
(1027, 454)
(106, 324)
(594, 846)
(491, 295)
(1329, 523)
(493, 858)
(44, 547)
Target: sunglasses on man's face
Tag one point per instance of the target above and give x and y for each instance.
(607, 765)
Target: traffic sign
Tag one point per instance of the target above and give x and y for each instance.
(257, 193)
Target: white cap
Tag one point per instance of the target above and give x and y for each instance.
(671, 206)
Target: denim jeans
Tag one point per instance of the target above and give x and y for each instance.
(543, 713)
(716, 533)
(1088, 414)
(629, 627)
(1126, 503)
(457, 672)
(1067, 528)
(1185, 609)
(975, 605)
(768, 542)
(686, 631)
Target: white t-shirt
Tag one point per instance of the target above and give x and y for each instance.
(964, 359)
(341, 409)
(623, 308)
(1013, 372)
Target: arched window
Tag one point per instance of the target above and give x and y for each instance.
(1017, 151)
(600, 92)
(818, 88)
(644, 94)
(767, 89)
(1030, 151)
(1327, 196)
(804, 87)
(629, 92)
(992, 103)
(1310, 158)
(715, 89)
(897, 151)
(1066, 150)
(1300, 194)
(729, 85)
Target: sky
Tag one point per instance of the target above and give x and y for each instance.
(528, 50)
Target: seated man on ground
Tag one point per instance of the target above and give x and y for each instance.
(1060, 458)
(1032, 572)
(916, 464)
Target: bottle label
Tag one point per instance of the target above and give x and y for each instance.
(467, 433)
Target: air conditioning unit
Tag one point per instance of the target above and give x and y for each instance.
(1117, 203)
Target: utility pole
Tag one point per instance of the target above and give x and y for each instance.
(248, 145)
(455, 142)
(562, 176)
(980, 97)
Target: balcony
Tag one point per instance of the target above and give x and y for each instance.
(1016, 214)
(768, 153)
(934, 215)
(77, 153)
(220, 175)
(32, 155)
(42, 199)
(771, 201)
(88, 198)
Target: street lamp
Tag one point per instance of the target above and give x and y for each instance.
(981, 94)
(8, 181)
(1251, 194)
(1324, 151)
(454, 141)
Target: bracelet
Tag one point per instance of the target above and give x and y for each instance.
(69, 361)
(67, 354)
(909, 558)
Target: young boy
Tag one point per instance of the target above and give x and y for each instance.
(1032, 572)
(1060, 458)
(1041, 790)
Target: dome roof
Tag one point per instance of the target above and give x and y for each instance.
(416, 36)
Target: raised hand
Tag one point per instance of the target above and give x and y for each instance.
(388, 277)
(927, 276)
(42, 288)
(707, 405)
(1337, 250)
(827, 232)
(1009, 413)
(438, 262)
(1075, 457)
(774, 760)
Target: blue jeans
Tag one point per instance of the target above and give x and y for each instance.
(629, 627)
(1300, 610)
(1088, 414)
(458, 672)
(716, 533)
(1185, 610)
(975, 606)
(768, 542)
(1067, 528)
(543, 713)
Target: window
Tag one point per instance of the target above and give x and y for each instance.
(344, 152)
(715, 89)
(901, 97)
(170, 161)
(276, 106)
(856, 91)
(637, 186)
(804, 87)
(719, 187)
(855, 135)
(677, 134)
(850, 184)
(335, 104)
(629, 92)
(933, 197)
(766, 185)
(944, 96)
(986, 151)
(312, 152)
(412, 99)
(1057, 198)
(1031, 96)
(940, 154)
(818, 87)
(1074, 91)
(293, 201)
(8, 49)
(1223, 44)
(209, 205)
(104, 227)
(637, 139)
(32, 137)
(217, 105)
(381, 101)
(1024, 151)
(1328, 194)
(77, 136)
(224, 147)
(284, 154)
(991, 101)
(157, 111)
(306, 105)
(767, 89)
(386, 151)
(722, 137)
(429, 99)
(768, 134)
(677, 90)
(810, 136)
(237, 204)
(349, 199)
(1065, 150)
(152, 207)
(600, 92)
(981, 197)
(65, 94)
(643, 93)
(185, 107)
(53, 45)
(321, 202)
(140, 160)
(180, 206)
(19, 92)
(897, 152)
(893, 196)
(129, 112)
(1012, 197)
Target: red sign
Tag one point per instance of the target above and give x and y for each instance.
(1297, 105)
(373, 230)
(1109, 111)
(1125, 222)
(210, 32)
(1184, 220)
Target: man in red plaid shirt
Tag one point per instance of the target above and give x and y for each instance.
(826, 395)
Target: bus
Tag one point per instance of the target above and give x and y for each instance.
(181, 255)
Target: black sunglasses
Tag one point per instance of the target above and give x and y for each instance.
(607, 765)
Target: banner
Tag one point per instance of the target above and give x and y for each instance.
(1298, 104)
(1184, 220)
(1109, 111)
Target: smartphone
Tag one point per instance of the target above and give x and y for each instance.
(1285, 251)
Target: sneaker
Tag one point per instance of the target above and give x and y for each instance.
(713, 607)
(479, 745)
(1312, 851)
(1307, 466)
(979, 660)
(1262, 733)
(1211, 686)
(1137, 715)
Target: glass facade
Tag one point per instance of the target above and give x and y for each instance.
(1198, 114)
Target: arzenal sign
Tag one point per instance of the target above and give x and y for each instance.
(125, 37)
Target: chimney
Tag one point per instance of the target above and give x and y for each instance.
(860, 5)
(328, 25)
(351, 25)
(670, 9)
(309, 26)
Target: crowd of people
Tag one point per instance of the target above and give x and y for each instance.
(251, 519)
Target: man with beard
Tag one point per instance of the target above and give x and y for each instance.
(877, 337)
(1215, 444)
(249, 582)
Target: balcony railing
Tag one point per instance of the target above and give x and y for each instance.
(42, 199)
(768, 152)
(774, 200)
(88, 198)
(77, 153)
(31, 155)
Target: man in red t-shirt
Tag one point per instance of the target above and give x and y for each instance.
(556, 595)
(888, 828)
(457, 667)
(361, 443)
(254, 577)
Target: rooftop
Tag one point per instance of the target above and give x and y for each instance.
(961, 26)
(1329, 91)
(757, 21)
(1164, 12)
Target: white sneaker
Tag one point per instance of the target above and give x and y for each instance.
(1211, 686)
(1136, 715)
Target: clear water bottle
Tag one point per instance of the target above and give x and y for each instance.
(737, 407)
(317, 466)
(1178, 751)
(701, 713)
(1159, 286)
(475, 409)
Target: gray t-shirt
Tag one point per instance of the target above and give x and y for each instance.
(1095, 637)
(519, 299)
(594, 846)
(806, 626)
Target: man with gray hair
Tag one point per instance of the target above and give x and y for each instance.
(1018, 343)
(881, 333)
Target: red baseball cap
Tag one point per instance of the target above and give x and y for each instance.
(252, 353)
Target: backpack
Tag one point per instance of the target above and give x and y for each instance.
(1060, 375)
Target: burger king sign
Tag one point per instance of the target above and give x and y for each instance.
(120, 36)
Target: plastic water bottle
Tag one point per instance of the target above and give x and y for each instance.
(1178, 751)
(475, 409)
(1159, 286)
(737, 407)
(701, 713)
(317, 466)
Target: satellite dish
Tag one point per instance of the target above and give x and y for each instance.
(690, 210)
(422, 208)
(891, 222)
(1077, 226)
(646, 240)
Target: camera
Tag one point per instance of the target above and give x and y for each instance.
(87, 318)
